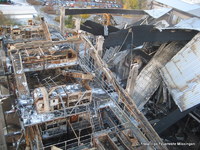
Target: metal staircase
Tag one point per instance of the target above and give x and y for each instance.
(21, 82)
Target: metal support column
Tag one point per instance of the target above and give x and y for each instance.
(3, 145)
(62, 20)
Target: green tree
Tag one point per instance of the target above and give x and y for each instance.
(5, 20)
(130, 4)
(69, 22)
(143, 4)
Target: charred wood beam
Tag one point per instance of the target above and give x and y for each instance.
(3, 145)
(149, 78)
(137, 35)
(13, 134)
(134, 71)
(73, 11)
(171, 119)
(96, 28)
(46, 30)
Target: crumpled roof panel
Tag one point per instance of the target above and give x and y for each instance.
(182, 75)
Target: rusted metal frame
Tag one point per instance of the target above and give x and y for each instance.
(45, 99)
(144, 124)
(49, 57)
(159, 93)
(164, 92)
(63, 104)
(39, 135)
(78, 138)
(78, 101)
(86, 127)
(125, 141)
(114, 125)
(127, 146)
(19, 75)
(54, 128)
(117, 115)
(46, 30)
(27, 52)
(31, 136)
(194, 117)
(134, 71)
(113, 129)
(39, 49)
(76, 125)
(27, 137)
(46, 57)
(42, 67)
(98, 144)
(137, 131)
(63, 116)
(62, 20)
(3, 144)
(117, 127)
(100, 119)
(42, 52)
(94, 123)
(57, 86)
(77, 75)
(112, 143)
(45, 79)
(53, 81)
(55, 148)
(91, 122)
(37, 139)
(128, 102)
(19, 141)
(64, 142)
(36, 44)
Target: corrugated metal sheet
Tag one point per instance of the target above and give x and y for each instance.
(182, 75)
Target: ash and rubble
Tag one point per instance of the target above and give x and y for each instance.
(131, 89)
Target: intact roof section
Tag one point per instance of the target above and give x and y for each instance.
(192, 9)
(157, 13)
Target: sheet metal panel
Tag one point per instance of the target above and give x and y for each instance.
(180, 5)
(182, 75)
(146, 33)
(157, 13)
(191, 23)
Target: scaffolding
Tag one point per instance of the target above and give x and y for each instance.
(56, 87)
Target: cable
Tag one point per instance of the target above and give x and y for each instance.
(121, 45)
